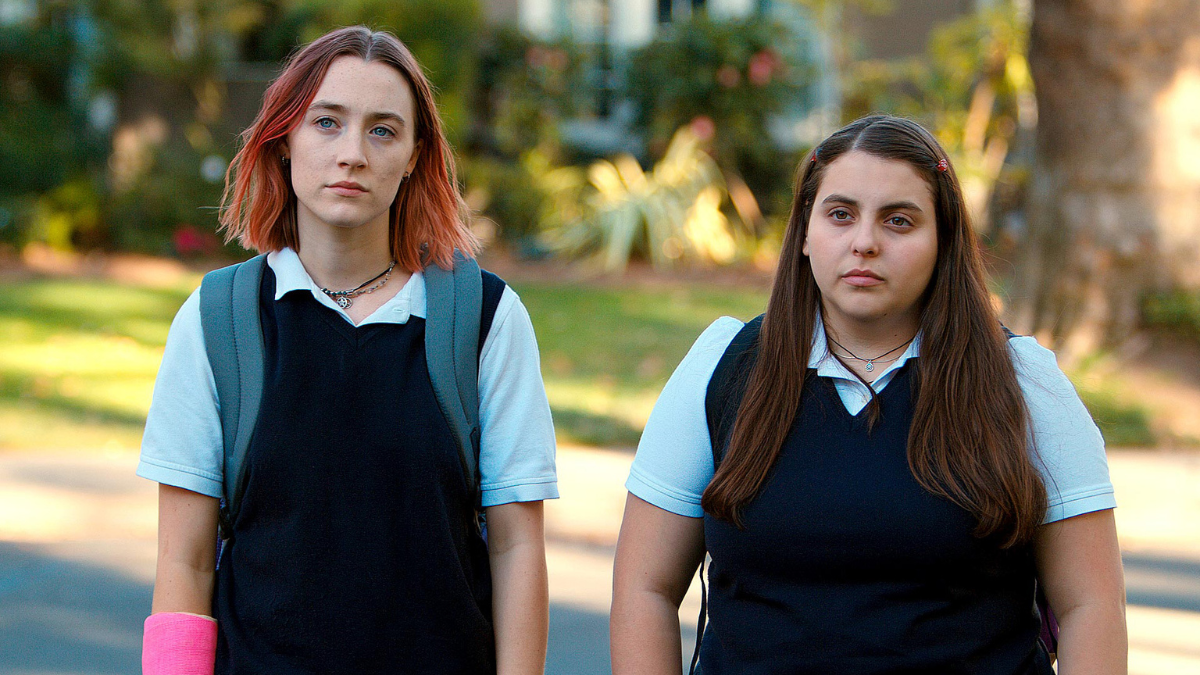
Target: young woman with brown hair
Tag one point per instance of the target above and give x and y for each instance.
(892, 472)
(356, 546)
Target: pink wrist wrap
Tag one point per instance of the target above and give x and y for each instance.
(175, 643)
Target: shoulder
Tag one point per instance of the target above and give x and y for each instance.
(715, 339)
(1037, 370)
(674, 461)
(1068, 447)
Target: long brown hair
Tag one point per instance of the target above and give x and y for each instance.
(428, 216)
(968, 441)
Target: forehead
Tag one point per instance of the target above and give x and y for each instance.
(366, 86)
(872, 180)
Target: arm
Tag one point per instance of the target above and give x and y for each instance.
(1079, 565)
(657, 553)
(520, 591)
(187, 541)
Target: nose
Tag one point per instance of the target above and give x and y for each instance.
(866, 240)
(352, 151)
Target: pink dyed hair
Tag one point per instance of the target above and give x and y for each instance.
(428, 216)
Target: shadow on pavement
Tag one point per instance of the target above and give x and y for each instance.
(65, 618)
(59, 617)
(1160, 581)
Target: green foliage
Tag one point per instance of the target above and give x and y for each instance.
(671, 212)
(170, 194)
(1177, 312)
(1122, 421)
(729, 72)
(44, 142)
(524, 88)
(507, 192)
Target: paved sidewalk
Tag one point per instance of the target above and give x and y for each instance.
(77, 561)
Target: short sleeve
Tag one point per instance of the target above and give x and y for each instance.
(516, 450)
(674, 461)
(1068, 445)
(182, 443)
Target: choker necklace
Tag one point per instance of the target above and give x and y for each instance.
(870, 362)
(345, 298)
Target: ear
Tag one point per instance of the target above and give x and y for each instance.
(412, 162)
(804, 246)
(284, 151)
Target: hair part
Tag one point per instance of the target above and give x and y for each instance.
(427, 219)
(969, 436)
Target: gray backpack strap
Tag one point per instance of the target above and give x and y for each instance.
(454, 301)
(234, 343)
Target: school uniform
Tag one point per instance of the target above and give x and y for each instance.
(355, 547)
(846, 564)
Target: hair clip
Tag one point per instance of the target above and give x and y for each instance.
(943, 165)
(816, 151)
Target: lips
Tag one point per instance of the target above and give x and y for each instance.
(862, 278)
(348, 188)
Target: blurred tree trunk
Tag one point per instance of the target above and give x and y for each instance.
(1114, 201)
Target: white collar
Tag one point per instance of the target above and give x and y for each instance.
(290, 275)
(828, 366)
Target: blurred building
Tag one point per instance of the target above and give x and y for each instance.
(898, 30)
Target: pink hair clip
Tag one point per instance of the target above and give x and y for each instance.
(943, 165)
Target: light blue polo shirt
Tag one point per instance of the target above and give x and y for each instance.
(674, 461)
(182, 444)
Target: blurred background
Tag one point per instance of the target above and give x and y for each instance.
(630, 164)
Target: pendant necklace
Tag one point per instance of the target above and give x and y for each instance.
(871, 361)
(346, 298)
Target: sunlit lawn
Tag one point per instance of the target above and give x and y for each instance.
(78, 357)
(77, 361)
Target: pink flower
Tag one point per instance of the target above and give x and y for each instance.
(535, 56)
(556, 60)
(728, 77)
(188, 241)
(761, 67)
(703, 127)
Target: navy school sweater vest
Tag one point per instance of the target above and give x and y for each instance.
(355, 548)
(847, 565)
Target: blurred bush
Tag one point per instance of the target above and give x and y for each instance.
(46, 150)
(1177, 312)
(668, 213)
(734, 73)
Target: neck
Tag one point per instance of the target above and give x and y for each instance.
(870, 339)
(339, 258)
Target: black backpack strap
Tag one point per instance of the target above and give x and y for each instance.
(722, 399)
(233, 342)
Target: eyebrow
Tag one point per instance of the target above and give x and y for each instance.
(343, 110)
(890, 206)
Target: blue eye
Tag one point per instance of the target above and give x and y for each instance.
(325, 122)
(383, 132)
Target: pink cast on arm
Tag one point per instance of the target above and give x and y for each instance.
(177, 643)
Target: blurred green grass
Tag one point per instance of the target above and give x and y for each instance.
(78, 358)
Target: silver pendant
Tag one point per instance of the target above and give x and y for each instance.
(870, 366)
(343, 302)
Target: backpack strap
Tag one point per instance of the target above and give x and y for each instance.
(454, 302)
(234, 343)
(722, 399)
(727, 386)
